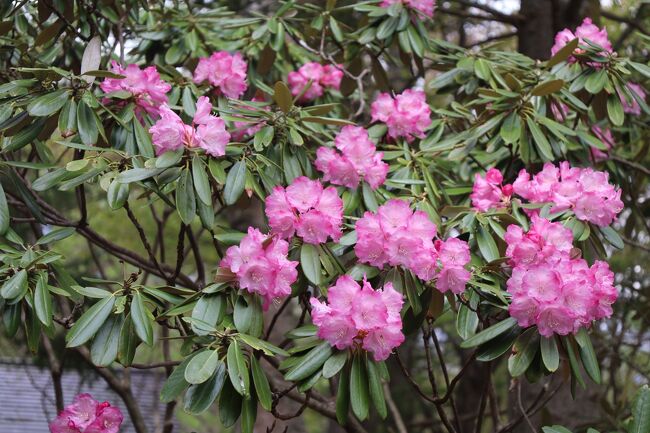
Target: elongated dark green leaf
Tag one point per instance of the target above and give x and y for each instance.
(117, 194)
(596, 81)
(142, 139)
(237, 370)
(466, 322)
(86, 124)
(497, 346)
(4, 212)
(359, 392)
(343, 398)
(369, 198)
(137, 174)
(202, 366)
(141, 320)
(511, 128)
(310, 263)
(209, 309)
(282, 96)
(486, 244)
(56, 235)
(612, 237)
(128, 342)
(490, 333)
(48, 104)
(547, 87)
(16, 286)
(43, 300)
(573, 361)
(334, 364)
(310, 363)
(90, 322)
(588, 356)
(235, 182)
(563, 53)
(262, 388)
(540, 139)
(264, 346)
(106, 343)
(175, 383)
(641, 411)
(376, 389)
(199, 398)
(615, 110)
(185, 200)
(550, 354)
(201, 182)
(230, 405)
(526, 347)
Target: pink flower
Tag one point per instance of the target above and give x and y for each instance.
(358, 160)
(604, 135)
(306, 208)
(397, 236)
(407, 115)
(86, 415)
(550, 288)
(585, 191)
(224, 71)
(587, 31)
(321, 77)
(359, 316)
(261, 265)
(148, 90)
(632, 106)
(207, 131)
(425, 7)
(489, 193)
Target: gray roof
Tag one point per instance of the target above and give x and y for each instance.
(27, 402)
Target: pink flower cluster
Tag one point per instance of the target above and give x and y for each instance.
(357, 160)
(489, 192)
(407, 115)
(225, 71)
(261, 265)
(321, 77)
(633, 107)
(207, 131)
(145, 85)
(425, 7)
(360, 316)
(585, 31)
(87, 415)
(397, 236)
(551, 288)
(307, 209)
(586, 192)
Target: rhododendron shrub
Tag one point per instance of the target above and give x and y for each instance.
(331, 209)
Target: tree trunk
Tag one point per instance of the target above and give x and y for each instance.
(536, 31)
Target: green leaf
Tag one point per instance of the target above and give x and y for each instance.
(90, 322)
(498, 346)
(466, 322)
(486, 244)
(201, 182)
(359, 392)
(511, 128)
(525, 348)
(185, 200)
(56, 235)
(490, 333)
(369, 198)
(175, 383)
(247, 315)
(588, 356)
(15, 287)
(555, 429)
(87, 124)
(573, 361)
(262, 388)
(141, 321)
(199, 398)
(237, 370)
(117, 195)
(258, 344)
(230, 405)
(541, 141)
(343, 399)
(91, 58)
(248, 413)
(596, 81)
(209, 309)
(641, 411)
(48, 104)
(550, 354)
(563, 53)
(235, 182)
(142, 139)
(615, 110)
(202, 366)
(612, 237)
(137, 174)
(310, 363)
(547, 88)
(106, 343)
(4, 212)
(282, 96)
(334, 364)
(310, 263)
(376, 389)
(43, 300)
(128, 342)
